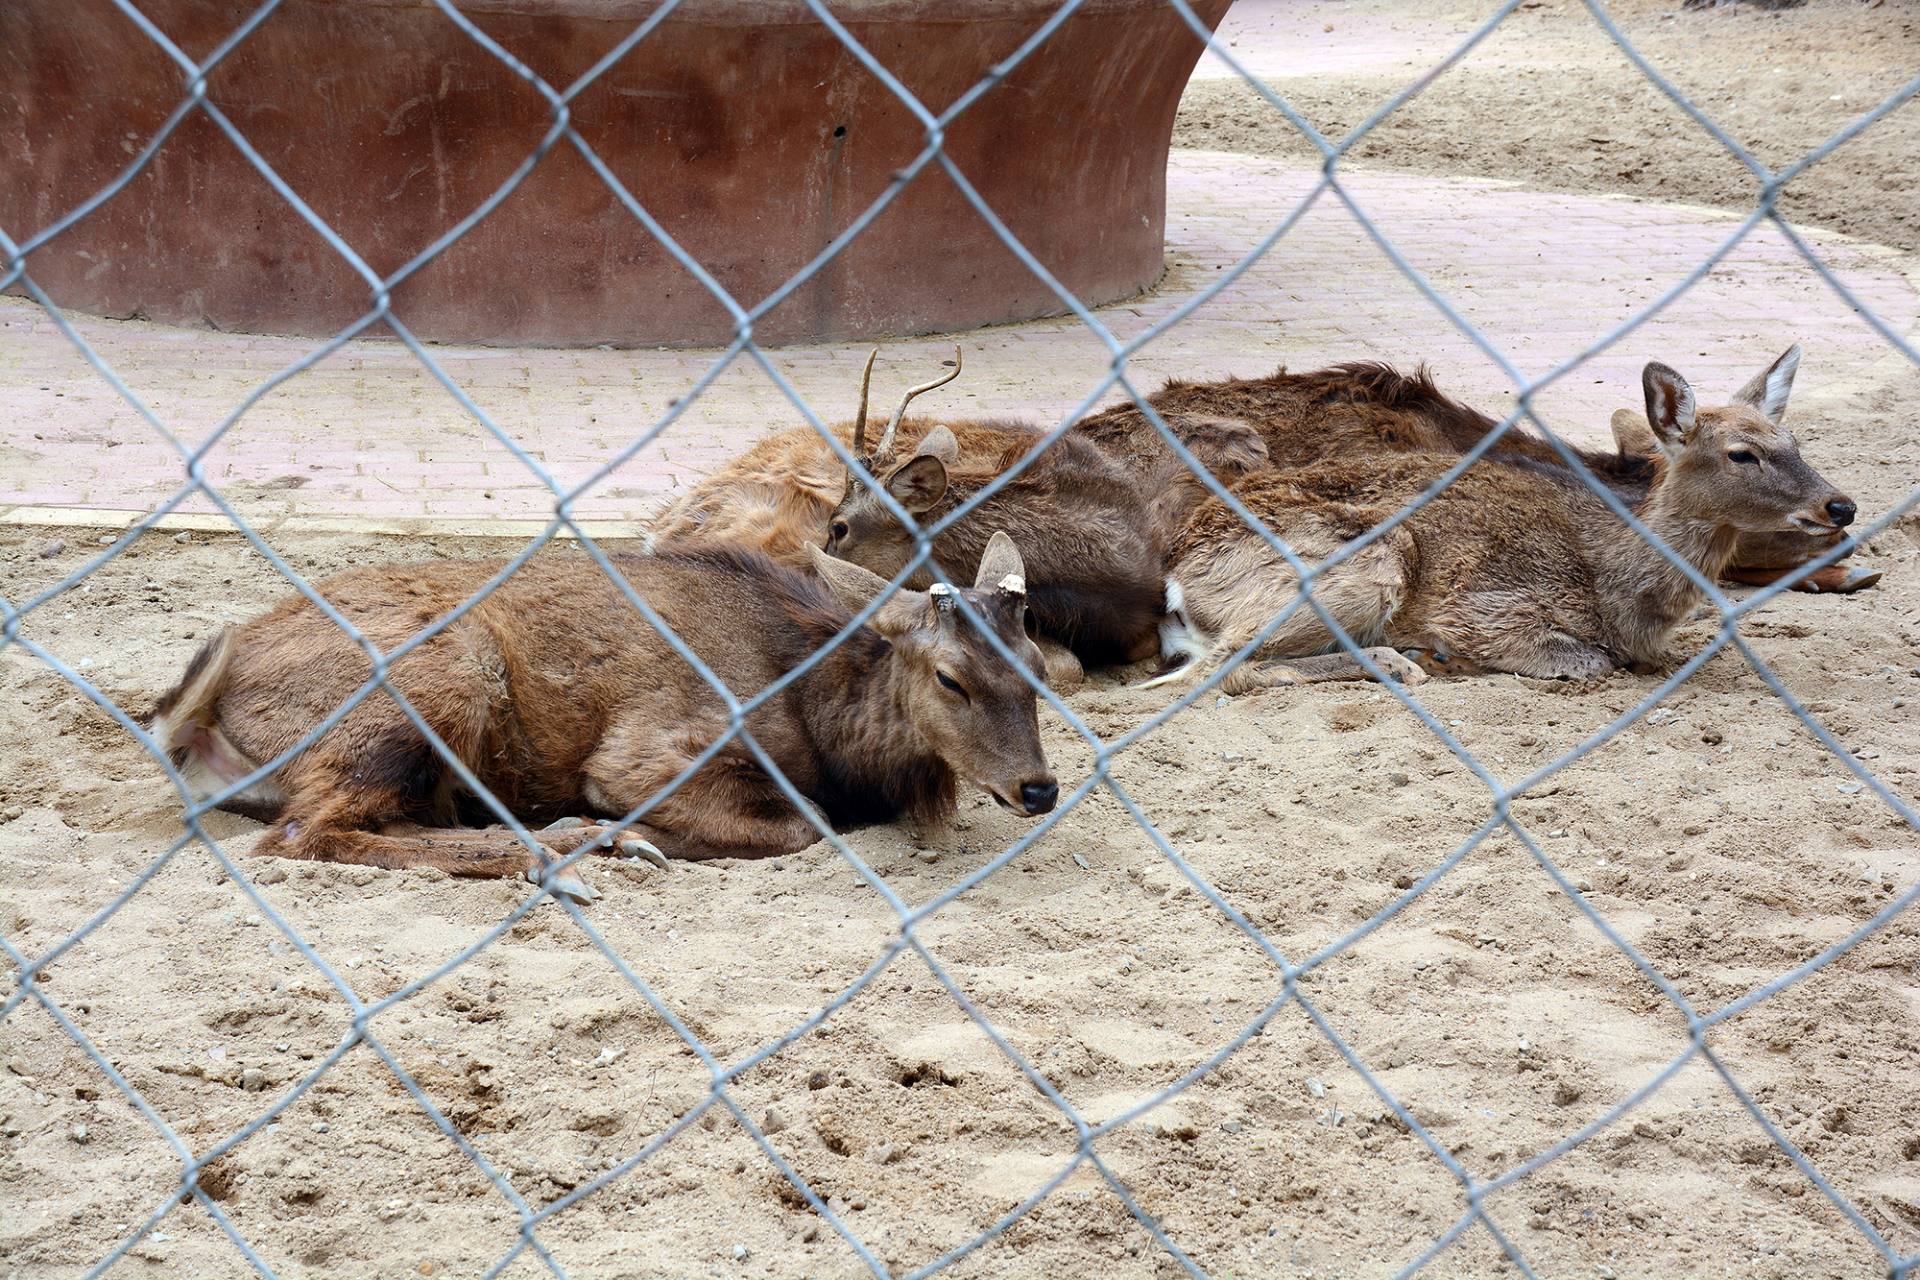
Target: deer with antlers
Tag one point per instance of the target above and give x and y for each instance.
(1093, 568)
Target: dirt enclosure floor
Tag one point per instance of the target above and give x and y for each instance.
(1716, 834)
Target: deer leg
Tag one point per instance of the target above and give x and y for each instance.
(1268, 674)
(339, 828)
(1436, 663)
(1558, 656)
(1064, 671)
(1240, 599)
(1838, 579)
(731, 808)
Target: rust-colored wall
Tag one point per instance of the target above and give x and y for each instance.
(742, 125)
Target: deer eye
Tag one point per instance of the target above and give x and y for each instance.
(949, 683)
(839, 529)
(1741, 455)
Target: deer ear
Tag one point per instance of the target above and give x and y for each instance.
(858, 587)
(1001, 566)
(1768, 390)
(1669, 406)
(1632, 436)
(919, 482)
(939, 443)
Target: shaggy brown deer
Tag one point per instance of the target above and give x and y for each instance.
(1512, 567)
(562, 700)
(777, 496)
(1093, 565)
(1095, 572)
(1336, 414)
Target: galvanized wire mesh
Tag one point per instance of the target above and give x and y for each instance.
(1476, 1186)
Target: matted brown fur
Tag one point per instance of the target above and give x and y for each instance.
(1368, 408)
(561, 699)
(1095, 572)
(1511, 567)
(777, 496)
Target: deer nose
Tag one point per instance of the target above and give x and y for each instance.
(1039, 797)
(1841, 512)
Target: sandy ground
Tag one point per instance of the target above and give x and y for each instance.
(1716, 835)
(1549, 100)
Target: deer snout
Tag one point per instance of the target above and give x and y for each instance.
(1039, 795)
(1841, 511)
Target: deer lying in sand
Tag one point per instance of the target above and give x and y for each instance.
(561, 699)
(1337, 414)
(1096, 575)
(1511, 568)
(1094, 572)
(778, 496)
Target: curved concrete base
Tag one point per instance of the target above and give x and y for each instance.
(744, 126)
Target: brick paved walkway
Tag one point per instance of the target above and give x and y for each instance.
(369, 438)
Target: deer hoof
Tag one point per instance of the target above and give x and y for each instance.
(1855, 580)
(634, 848)
(1397, 666)
(565, 884)
(564, 824)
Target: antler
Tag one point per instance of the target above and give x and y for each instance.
(893, 423)
(860, 419)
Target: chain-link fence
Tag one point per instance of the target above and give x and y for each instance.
(1476, 1186)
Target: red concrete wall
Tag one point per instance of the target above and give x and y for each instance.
(742, 125)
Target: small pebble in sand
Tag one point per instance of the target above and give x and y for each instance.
(1315, 1088)
(739, 1253)
(106, 539)
(182, 538)
(253, 1080)
(774, 1121)
(79, 1133)
(926, 855)
(1082, 861)
(53, 549)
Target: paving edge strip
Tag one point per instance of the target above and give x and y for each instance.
(27, 517)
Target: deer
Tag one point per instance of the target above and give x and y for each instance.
(1095, 570)
(1510, 568)
(777, 497)
(1371, 408)
(561, 700)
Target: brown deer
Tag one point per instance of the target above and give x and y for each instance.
(561, 699)
(1513, 568)
(1094, 568)
(1095, 572)
(777, 496)
(1349, 410)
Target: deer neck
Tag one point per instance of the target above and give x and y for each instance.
(1649, 595)
(871, 754)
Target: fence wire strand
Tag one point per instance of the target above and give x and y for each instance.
(1475, 1190)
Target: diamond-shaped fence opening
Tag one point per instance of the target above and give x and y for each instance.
(1110, 1146)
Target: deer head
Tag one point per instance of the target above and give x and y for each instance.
(1737, 465)
(959, 696)
(863, 531)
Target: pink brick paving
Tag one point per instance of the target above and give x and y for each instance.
(368, 436)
